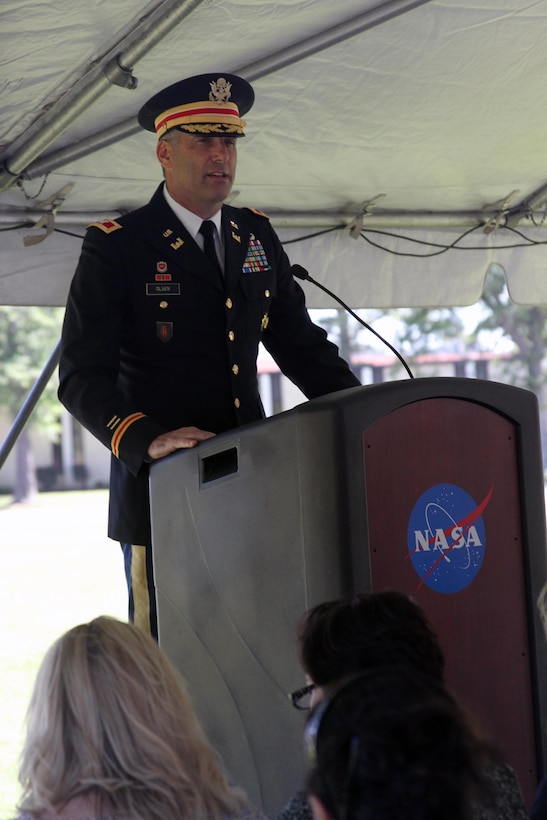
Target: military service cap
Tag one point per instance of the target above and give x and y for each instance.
(207, 104)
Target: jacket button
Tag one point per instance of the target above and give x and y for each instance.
(267, 293)
(231, 335)
(235, 369)
(237, 403)
(228, 303)
(163, 304)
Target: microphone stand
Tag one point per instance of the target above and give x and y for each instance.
(302, 273)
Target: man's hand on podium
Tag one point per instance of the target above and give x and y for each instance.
(179, 439)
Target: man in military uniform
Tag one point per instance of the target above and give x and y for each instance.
(168, 306)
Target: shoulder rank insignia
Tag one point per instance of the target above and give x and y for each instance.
(258, 213)
(107, 226)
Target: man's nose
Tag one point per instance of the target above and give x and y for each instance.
(219, 150)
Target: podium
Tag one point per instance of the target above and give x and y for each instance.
(430, 486)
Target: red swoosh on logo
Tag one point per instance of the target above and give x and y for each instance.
(464, 525)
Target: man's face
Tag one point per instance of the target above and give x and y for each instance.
(199, 171)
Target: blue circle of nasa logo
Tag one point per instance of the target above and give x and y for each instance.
(447, 538)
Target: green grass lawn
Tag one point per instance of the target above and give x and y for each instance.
(58, 569)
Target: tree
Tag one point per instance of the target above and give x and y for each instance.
(346, 331)
(525, 326)
(497, 318)
(28, 336)
(338, 325)
(424, 330)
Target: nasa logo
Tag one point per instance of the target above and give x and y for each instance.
(447, 538)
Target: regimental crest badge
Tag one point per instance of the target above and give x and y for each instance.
(221, 90)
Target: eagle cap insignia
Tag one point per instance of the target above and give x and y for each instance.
(221, 90)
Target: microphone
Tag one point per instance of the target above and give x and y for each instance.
(302, 273)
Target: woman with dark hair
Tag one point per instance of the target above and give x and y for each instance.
(391, 745)
(338, 640)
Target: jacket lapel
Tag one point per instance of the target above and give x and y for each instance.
(236, 242)
(174, 242)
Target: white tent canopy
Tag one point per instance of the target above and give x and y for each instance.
(425, 119)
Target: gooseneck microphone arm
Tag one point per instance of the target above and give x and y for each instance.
(302, 273)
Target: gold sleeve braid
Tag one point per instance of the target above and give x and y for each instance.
(121, 428)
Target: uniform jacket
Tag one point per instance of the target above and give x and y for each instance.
(154, 339)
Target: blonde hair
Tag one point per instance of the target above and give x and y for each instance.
(110, 718)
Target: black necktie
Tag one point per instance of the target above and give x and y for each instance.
(207, 230)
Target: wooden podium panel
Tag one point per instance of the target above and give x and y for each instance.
(430, 486)
(456, 546)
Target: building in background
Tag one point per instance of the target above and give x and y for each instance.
(79, 461)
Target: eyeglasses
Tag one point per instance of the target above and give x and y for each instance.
(301, 698)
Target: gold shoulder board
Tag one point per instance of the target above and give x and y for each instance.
(258, 213)
(107, 226)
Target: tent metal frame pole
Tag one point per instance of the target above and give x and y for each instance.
(82, 148)
(329, 37)
(304, 219)
(538, 199)
(114, 68)
(268, 65)
(30, 403)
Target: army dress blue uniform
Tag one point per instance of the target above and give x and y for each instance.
(154, 339)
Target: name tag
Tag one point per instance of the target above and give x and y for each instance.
(162, 289)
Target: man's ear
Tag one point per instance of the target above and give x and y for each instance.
(318, 809)
(163, 153)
